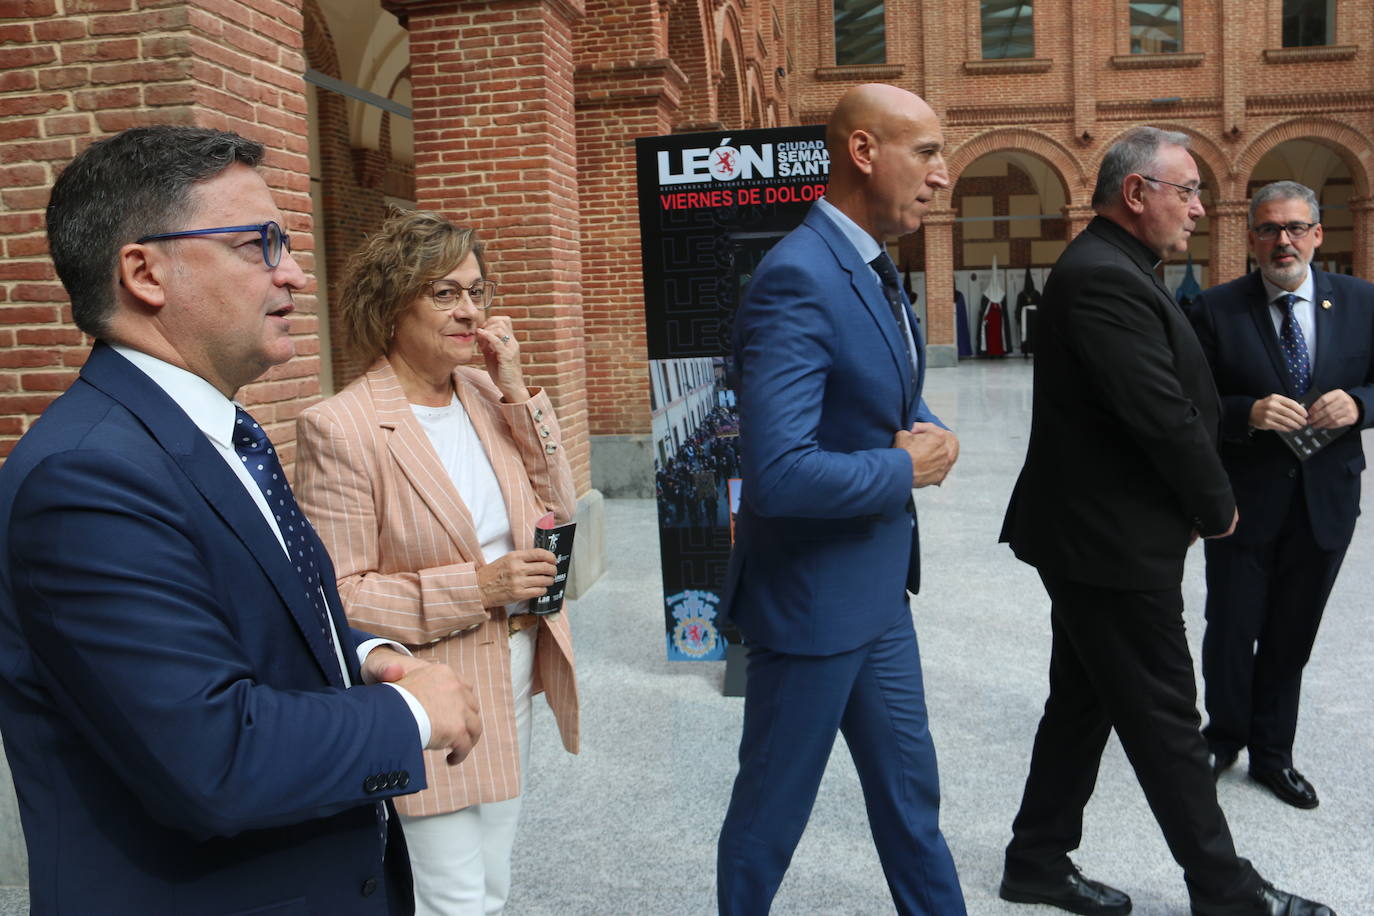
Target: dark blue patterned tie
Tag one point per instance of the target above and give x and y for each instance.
(1294, 345)
(260, 459)
(893, 291)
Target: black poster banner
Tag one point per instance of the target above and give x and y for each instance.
(710, 207)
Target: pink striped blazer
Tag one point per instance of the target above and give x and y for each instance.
(406, 553)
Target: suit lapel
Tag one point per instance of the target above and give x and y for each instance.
(1261, 312)
(1327, 322)
(414, 454)
(869, 292)
(203, 465)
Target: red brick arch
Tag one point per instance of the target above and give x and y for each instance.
(319, 44)
(730, 100)
(691, 44)
(1020, 140)
(1353, 148)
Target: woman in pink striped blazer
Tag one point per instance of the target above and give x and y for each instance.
(425, 478)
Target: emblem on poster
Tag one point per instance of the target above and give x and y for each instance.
(695, 636)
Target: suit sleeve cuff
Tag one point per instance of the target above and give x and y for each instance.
(418, 711)
(365, 649)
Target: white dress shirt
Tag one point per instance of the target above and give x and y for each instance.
(1304, 312)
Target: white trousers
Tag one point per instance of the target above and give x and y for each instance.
(461, 860)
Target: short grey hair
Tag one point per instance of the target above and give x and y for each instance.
(1285, 190)
(1133, 154)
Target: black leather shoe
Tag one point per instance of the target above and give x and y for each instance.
(1289, 785)
(1221, 761)
(1274, 902)
(1073, 892)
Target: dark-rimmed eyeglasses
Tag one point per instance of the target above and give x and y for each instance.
(1186, 192)
(274, 238)
(446, 294)
(1267, 232)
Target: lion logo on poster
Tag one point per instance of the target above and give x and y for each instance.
(725, 161)
(695, 634)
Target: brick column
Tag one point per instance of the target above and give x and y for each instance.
(615, 104)
(1083, 17)
(1076, 217)
(1362, 244)
(937, 231)
(69, 77)
(1228, 248)
(494, 148)
(1236, 20)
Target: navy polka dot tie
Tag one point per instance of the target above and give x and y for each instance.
(892, 291)
(260, 460)
(1294, 345)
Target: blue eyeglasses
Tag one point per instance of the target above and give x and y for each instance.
(275, 239)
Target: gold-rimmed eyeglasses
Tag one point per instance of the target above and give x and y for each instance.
(1186, 192)
(444, 295)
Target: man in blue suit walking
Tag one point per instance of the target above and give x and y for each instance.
(192, 726)
(834, 437)
(1277, 338)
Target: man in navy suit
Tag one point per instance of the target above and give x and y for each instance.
(185, 710)
(1280, 337)
(834, 437)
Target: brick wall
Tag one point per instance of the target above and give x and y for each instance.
(74, 71)
(1239, 95)
(494, 141)
(625, 88)
(525, 113)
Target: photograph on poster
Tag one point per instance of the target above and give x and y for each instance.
(696, 435)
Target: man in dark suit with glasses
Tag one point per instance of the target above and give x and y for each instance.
(1121, 476)
(1290, 347)
(191, 723)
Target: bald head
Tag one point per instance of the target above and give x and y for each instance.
(872, 107)
(886, 159)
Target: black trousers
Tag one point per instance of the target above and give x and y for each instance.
(1120, 660)
(1264, 604)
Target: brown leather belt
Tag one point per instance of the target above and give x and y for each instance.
(521, 622)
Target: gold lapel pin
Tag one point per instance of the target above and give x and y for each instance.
(1326, 303)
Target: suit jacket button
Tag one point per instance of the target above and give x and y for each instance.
(393, 779)
(405, 779)
(370, 785)
(369, 886)
(1292, 472)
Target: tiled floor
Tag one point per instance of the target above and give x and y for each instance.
(629, 826)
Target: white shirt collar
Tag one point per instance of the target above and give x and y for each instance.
(210, 410)
(867, 247)
(1304, 292)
